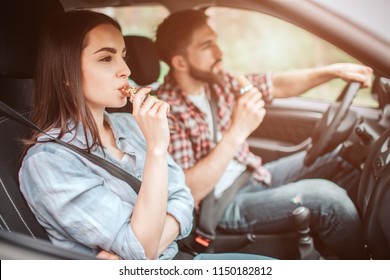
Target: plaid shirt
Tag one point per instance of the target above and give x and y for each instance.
(191, 138)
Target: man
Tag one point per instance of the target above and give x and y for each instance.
(213, 151)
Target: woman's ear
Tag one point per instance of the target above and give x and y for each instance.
(179, 63)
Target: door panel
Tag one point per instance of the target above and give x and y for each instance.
(286, 127)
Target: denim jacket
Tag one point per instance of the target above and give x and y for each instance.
(82, 206)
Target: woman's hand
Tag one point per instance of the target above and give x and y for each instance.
(151, 116)
(148, 217)
(104, 255)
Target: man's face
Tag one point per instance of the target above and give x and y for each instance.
(204, 56)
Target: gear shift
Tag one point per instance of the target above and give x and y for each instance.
(306, 248)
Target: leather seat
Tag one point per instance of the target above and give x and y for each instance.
(21, 235)
(374, 198)
(19, 38)
(16, 215)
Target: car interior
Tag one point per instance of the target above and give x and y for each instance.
(365, 143)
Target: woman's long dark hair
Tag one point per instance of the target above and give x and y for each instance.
(59, 96)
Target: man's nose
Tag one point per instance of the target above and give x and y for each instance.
(217, 51)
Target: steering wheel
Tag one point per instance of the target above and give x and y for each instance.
(334, 126)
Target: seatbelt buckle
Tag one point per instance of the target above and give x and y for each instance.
(205, 242)
(202, 240)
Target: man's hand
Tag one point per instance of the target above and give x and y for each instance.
(248, 113)
(352, 72)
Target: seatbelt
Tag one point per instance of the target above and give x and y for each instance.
(106, 165)
(212, 208)
(214, 114)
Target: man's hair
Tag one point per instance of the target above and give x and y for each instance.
(175, 32)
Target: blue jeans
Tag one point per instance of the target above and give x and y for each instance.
(265, 209)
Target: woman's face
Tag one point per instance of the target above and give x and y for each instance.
(104, 71)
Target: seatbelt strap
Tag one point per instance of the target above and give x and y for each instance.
(208, 222)
(212, 209)
(214, 114)
(108, 166)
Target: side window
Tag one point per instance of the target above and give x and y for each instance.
(256, 42)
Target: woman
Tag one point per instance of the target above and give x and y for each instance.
(81, 71)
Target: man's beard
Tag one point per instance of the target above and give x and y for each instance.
(206, 76)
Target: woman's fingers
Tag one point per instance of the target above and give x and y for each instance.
(153, 106)
(164, 108)
(140, 97)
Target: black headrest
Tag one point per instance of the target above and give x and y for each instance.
(20, 25)
(17, 93)
(21, 22)
(143, 60)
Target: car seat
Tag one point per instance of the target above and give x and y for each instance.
(383, 214)
(19, 39)
(19, 43)
(21, 235)
(374, 198)
(14, 211)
